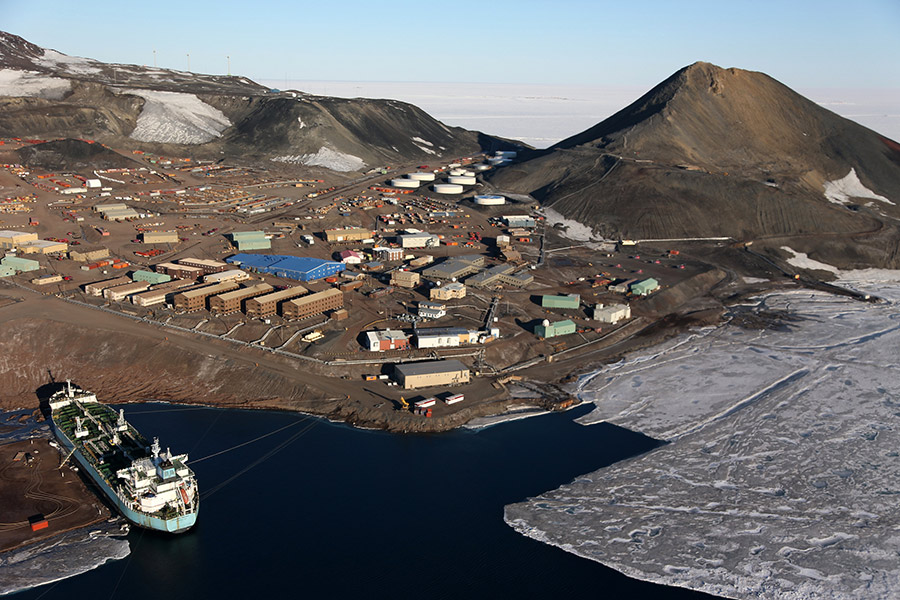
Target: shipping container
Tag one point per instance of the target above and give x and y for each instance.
(455, 398)
(371, 377)
(427, 402)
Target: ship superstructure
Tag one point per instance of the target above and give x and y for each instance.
(151, 488)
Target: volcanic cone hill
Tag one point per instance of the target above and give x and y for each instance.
(46, 94)
(725, 152)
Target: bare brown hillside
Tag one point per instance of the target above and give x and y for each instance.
(722, 152)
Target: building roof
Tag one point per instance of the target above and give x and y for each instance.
(441, 331)
(210, 290)
(291, 292)
(259, 288)
(431, 367)
(270, 263)
(247, 235)
(201, 261)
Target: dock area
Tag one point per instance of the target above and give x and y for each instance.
(40, 500)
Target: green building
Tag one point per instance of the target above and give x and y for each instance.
(150, 277)
(571, 301)
(647, 286)
(6, 271)
(251, 240)
(548, 330)
(20, 264)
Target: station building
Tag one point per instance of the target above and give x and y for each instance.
(314, 304)
(301, 268)
(431, 374)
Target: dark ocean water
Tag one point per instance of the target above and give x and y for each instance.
(340, 512)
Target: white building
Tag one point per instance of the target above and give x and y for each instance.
(612, 313)
(232, 275)
(418, 240)
(432, 310)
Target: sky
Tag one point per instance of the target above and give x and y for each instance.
(803, 43)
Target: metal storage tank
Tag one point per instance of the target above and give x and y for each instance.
(448, 188)
(462, 180)
(457, 171)
(404, 183)
(506, 153)
(469, 173)
(498, 161)
(480, 167)
(490, 200)
(421, 176)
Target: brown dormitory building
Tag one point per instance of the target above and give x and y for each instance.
(195, 299)
(179, 271)
(208, 266)
(267, 305)
(230, 302)
(313, 304)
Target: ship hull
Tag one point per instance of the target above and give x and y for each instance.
(176, 525)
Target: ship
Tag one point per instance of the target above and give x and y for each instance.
(150, 488)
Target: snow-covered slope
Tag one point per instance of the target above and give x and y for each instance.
(176, 118)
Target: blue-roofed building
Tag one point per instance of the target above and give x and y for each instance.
(301, 268)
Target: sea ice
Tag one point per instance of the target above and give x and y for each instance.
(177, 118)
(780, 480)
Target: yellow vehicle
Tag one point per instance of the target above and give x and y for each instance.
(403, 403)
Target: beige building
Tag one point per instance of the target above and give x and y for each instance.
(43, 247)
(230, 302)
(45, 279)
(405, 279)
(89, 254)
(195, 299)
(313, 304)
(431, 374)
(354, 234)
(160, 237)
(449, 291)
(158, 294)
(266, 306)
(120, 292)
(96, 288)
(12, 239)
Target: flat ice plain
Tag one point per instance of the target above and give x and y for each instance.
(782, 478)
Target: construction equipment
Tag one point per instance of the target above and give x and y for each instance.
(404, 405)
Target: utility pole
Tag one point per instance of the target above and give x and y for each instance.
(228, 58)
(189, 62)
(154, 59)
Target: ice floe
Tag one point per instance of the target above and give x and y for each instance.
(781, 478)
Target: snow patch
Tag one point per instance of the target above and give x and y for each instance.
(302, 124)
(325, 157)
(574, 230)
(840, 191)
(177, 118)
(31, 84)
(425, 150)
(419, 140)
(802, 261)
(71, 64)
